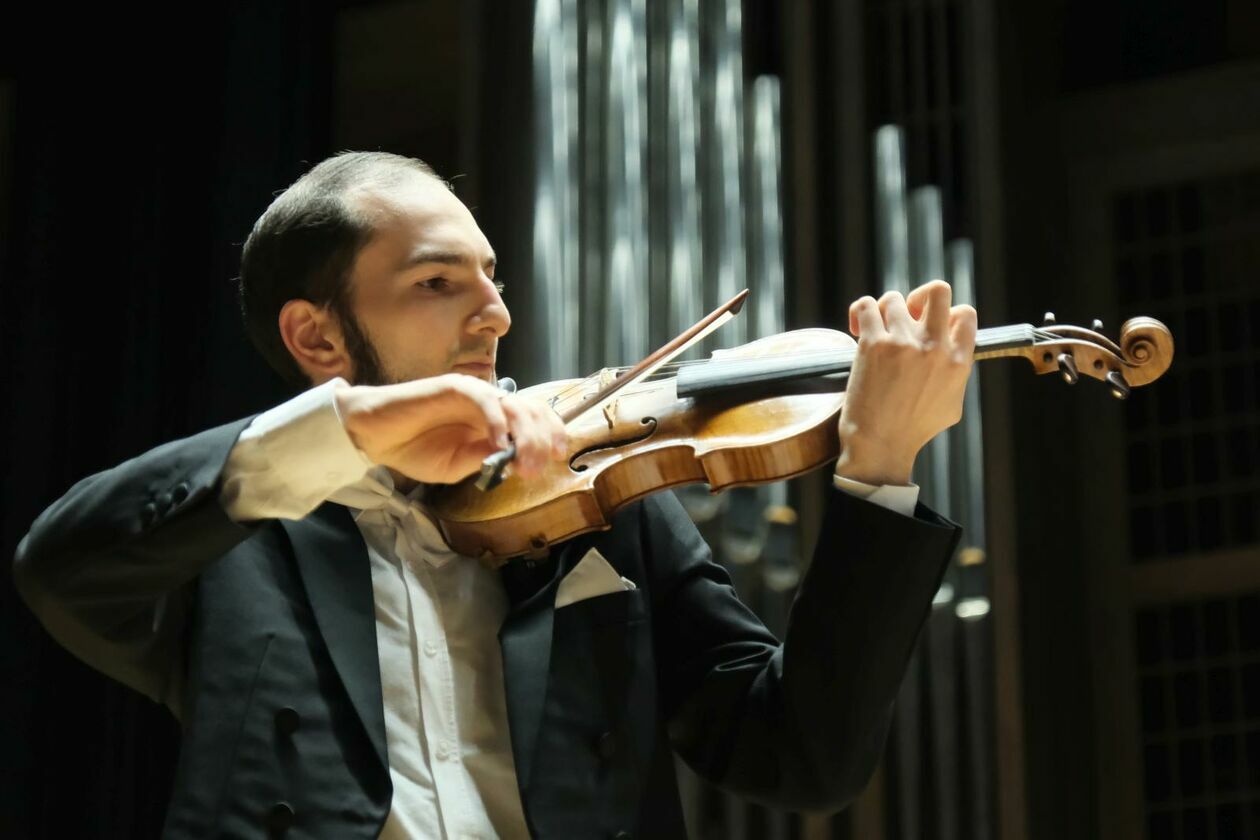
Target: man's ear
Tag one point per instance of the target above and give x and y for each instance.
(314, 339)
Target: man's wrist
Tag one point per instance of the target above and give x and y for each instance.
(344, 405)
(895, 471)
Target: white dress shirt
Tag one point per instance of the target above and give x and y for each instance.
(437, 617)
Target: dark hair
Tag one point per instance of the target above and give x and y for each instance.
(304, 246)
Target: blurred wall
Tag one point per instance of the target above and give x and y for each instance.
(1130, 135)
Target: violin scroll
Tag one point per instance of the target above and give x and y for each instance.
(1149, 346)
(1143, 354)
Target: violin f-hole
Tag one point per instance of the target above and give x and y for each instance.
(645, 428)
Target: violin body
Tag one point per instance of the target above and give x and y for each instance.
(647, 439)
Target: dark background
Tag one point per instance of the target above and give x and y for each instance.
(136, 149)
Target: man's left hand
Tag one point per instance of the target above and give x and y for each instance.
(914, 356)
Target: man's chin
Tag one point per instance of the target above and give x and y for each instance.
(482, 372)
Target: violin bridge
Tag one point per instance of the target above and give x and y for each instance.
(610, 414)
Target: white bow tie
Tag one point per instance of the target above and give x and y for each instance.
(375, 495)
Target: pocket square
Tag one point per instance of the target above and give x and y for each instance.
(592, 576)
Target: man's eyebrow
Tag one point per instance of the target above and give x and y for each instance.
(444, 258)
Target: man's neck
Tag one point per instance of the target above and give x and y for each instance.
(403, 484)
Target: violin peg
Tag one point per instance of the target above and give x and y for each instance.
(1098, 325)
(1067, 366)
(1119, 387)
(1048, 320)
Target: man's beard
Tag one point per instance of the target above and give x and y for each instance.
(366, 362)
(368, 369)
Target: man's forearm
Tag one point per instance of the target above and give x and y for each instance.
(291, 458)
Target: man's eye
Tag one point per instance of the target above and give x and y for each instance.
(435, 284)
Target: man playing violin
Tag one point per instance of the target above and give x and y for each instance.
(339, 671)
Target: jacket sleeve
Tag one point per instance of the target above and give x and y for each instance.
(799, 725)
(109, 568)
(291, 458)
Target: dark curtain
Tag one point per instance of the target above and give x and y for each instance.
(143, 149)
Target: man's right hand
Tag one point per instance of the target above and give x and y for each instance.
(438, 430)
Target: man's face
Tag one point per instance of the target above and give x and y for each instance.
(422, 290)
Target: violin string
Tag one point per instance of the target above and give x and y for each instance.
(841, 355)
(994, 335)
(560, 396)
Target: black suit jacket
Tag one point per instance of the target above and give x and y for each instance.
(261, 638)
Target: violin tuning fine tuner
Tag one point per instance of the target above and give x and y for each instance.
(492, 468)
(1048, 320)
(1098, 325)
(1119, 387)
(1067, 366)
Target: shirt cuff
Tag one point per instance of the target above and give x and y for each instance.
(895, 497)
(290, 459)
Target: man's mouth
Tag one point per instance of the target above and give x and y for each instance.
(475, 368)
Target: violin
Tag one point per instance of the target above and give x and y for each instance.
(761, 412)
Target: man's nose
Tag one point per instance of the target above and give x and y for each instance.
(493, 316)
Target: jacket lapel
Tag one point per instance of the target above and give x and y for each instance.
(525, 639)
(333, 562)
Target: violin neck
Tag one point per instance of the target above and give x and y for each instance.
(723, 374)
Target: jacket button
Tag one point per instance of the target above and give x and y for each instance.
(606, 746)
(179, 492)
(280, 818)
(164, 500)
(288, 720)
